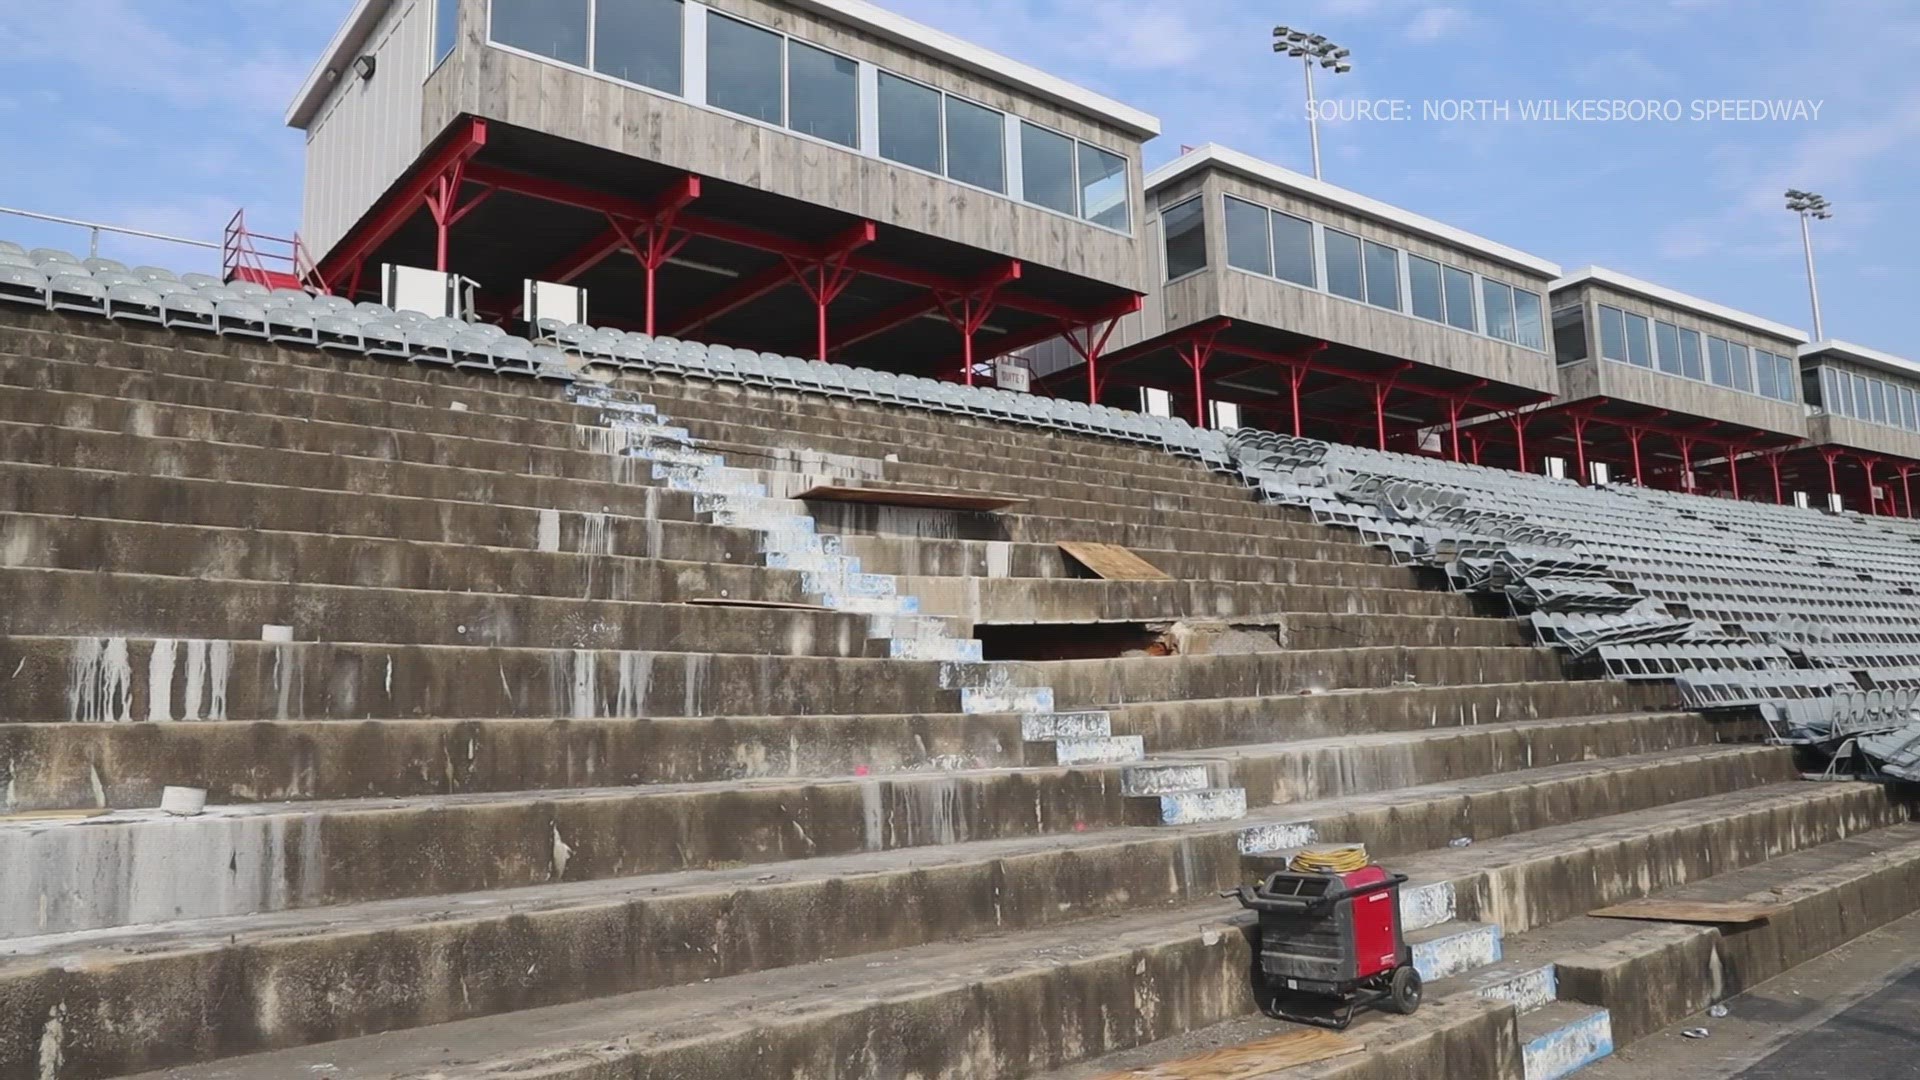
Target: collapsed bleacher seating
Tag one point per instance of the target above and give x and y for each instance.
(1811, 618)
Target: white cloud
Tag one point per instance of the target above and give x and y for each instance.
(1431, 24)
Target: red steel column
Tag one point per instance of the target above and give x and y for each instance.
(1196, 354)
(1779, 492)
(1634, 434)
(1580, 421)
(1686, 463)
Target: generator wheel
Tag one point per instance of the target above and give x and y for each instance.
(1403, 992)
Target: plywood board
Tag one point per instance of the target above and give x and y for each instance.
(1688, 911)
(923, 498)
(778, 605)
(1299, 1047)
(1113, 562)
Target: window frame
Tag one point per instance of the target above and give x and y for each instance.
(1740, 360)
(1542, 319)
(1073, 166)
(1006, 162)
(1646, 338)
(1439, 288)
(1662, 331)
(1368, 250)
(786, 91)
(1266, 225)
(1313, 249)
(1450, 273)
(1327, 233)
(939, 118)
(435, 57)
(1619, 322)
(1166, 263)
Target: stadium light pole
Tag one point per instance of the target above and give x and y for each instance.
(1312, 49)
(1811, 208)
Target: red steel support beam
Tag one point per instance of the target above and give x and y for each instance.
(1196, 354)
(1833, 477)
(968, 312)
(451, 156)
(829, 260)
(1685, 443)
(1867, 462)
(650, 238)
(1779, 491)
(1094, 345)
(909, 310)
(1580, 421)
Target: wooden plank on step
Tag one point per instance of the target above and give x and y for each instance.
(777, 605)
(1654, 909)
(55, 815)
(1113, 562)
(920, 498)
(1299, 1047)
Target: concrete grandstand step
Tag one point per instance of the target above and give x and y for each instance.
(1562, 1038)
(943, 968)
(1106, 870)
(1452, 948)
(90, 679)
(380, 430)
(1304, 562)
(1485, 807)
(1317, 712)
(78, 602)
(1013, 601)
(50, 765)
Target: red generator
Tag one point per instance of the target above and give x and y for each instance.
(1331, 943)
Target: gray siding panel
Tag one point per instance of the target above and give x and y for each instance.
(368, 132)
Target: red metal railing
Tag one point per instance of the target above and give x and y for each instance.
(273, 261)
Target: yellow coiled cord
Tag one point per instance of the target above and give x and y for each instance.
(1333, 859)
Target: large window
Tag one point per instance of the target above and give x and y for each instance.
(1383, 276)
(1529, 326)
(1185, 227)
(1861, 408)
(1046, 169)
(638, 41)
(1639, 344)
(1666, 337)
(446, 28)
(1570, 335)
(745, 69)
(1719, 369)
(1249, 247)
(1613, 334)
(910, 124)
(552, 28)
(1764, 375)
(1692, 365)
(1293, 251)
(1423, 282)
(1103, 188)
(1460, 312)
(1498, 300)
(1742, 367)
(823, 94)
(1344, 276)
(976, 145)
(1909, 418)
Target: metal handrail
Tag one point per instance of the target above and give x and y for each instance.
(95, 228)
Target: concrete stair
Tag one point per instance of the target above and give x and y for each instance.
(548, 733)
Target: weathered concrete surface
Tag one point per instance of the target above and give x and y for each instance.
(59, 765)
(1828, 896)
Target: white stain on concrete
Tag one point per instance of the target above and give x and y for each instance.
(100, 685)
(160, 681)
(582, 698)
(205, 677)
(636, 682)
(562, 854)
(548, 533)
(53, 1042)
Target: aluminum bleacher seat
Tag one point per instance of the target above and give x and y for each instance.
(71, 288)
(134, 302)
(23, 285)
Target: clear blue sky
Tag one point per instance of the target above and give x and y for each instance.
(166, 114)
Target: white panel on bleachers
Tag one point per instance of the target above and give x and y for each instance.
(1599, 473)
(547, 300)
(1008, 375)
(1835, 503)
(429, 292)
(1155, 402)
(1557, 468)
(1225, 415)
(1802, 500)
